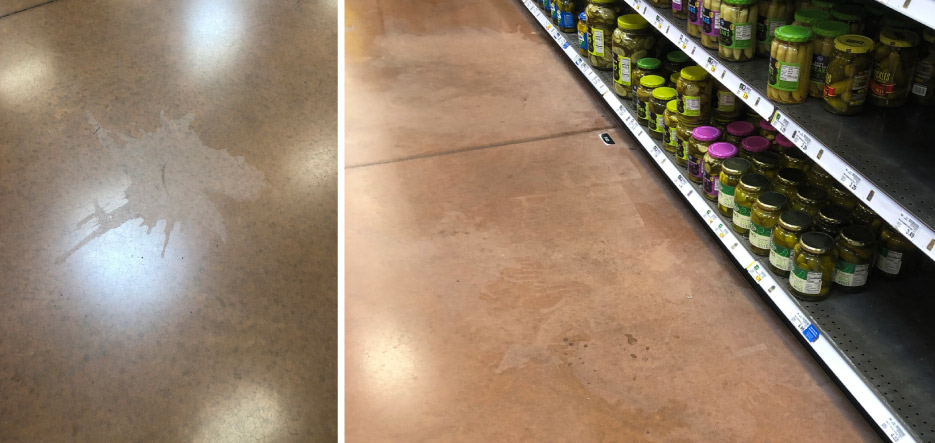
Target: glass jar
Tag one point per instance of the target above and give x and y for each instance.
(664, 4)
(632, 40)
(839, 195)
(713, 159)
(731, 171)
(683, 139)
(770, 15)
(895, 253)
(848, 78)
(671, 119)
(566, 15)
(737, 41)
(752, 145)
(812, 271)
(767, 130)
(809, 17)
(710, 23)
(583, 34)
(644, 94)
(873, 21)
(766, 163)
(657, 109)
(602, 21)
(792, 224)
(694, 95)
(851, 15)
(737, 131)
(864, 216)
(817, 177)
(673, 82)
(765, 215)
(822, 47)
(750, 115)
(781, 144)
(854, 248)
(793, 157)
(727, 107)
(808, 199)
(894, 58)
(678, 9)
(790, 61)
(923, 82)
(822, 5)
(694, 9)
(702, 137)
(787, 181)
(830, 219)
(745, 195)
(645, 66)
(674, 63)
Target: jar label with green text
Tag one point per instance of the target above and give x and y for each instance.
(622, 69)
(689, 105)
(725, 195)
(736, 35)
(742, 216)
(783, 76)
(850, 274)
(596, 44)
(779, 256)
(806, 282)
(760, 236)
(725, 101)
(889, 261)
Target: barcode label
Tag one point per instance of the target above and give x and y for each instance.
(757, 272)
(892, 429)
(907, 225)
(801, 139)
(850, 179)
(805, 327)
(658, 21)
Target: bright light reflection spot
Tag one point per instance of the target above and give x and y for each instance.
(251, 413)
(389, 360)
(214, 34)
(24, 78)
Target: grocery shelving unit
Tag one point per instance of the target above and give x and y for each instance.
(878, 345)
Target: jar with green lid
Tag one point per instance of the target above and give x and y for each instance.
(737, 40)
(632, 40)
(727, 107)
(764, 217)
(839, 195)
(694, 11)
(645, 66)
(766, 163)
(781, 144)
(671, 119)
(831, 218)
(864, 216)
(737, 131)
(792, 224)
(656, 111)
(822, 47)
(683, 139)
(752, 145)
(770, 15)
(850, 14)
(678, 9)
(790, 62)
(812, 271)
(817, 177)
(674, 63)
(787, 181)
(923, 82)
(694, 95)
(894, 58)
(809, 17)
(745, 195)
(854, 248)
(702, 137)
(713, 160)
(793, 157)
(731, 171)
(808, 199)
(583, 34)
(643, 96)
(566, 15)
(895, 253)
(766, 130)
(602, 21)
(848, 78)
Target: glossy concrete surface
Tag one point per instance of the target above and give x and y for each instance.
(168, 221)
(550, 290)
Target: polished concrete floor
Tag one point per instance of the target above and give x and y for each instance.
(511, 278)
(168, 221)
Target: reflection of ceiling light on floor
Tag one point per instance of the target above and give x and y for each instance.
(249, 414)
(390, 360)
(23, 79)
(214, 33)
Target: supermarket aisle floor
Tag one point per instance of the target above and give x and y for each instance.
(510, 278)
(168, 221)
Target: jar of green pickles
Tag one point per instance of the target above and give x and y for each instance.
(790, 62)
(738, 27)
(694, 95)
(751, 115)
(644, 95)
(809, 17)
(683, 139)
(830, 219)
(771, 15)
(793, 157)
(675, 62)
(864, 216)
(737, 131)
(808, 199)
(657, 109)
(632, 40)
(848, 77)
(895, 253)
(764, 217)
(766, 130)
(753, 145)
(817, 177)
(822, 48)
(780, 144)
(727, 107)
(792, 224)
(645, 66)
(854, 247)
(787, 181)
(894, 58)
(583, 34)
(766, 163)
(710, 23)
(713, 160)
(565, 10)
(812, 273)
(602, 21)
(923, 81)
(678, 9)
(671, 119)
(731, 171)
(745, 196)
(839, 195)
(850, 14)
(702, 137)
(694, 12)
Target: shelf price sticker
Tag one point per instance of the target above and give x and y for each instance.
(711, 64)
(906, 225)
(792, 131)
(850, 179)
(721, 231)
(682, 184)
(657, 154)
(658, 21)
(683, 42)
(892, 429)
(805, 327)
(710, 217)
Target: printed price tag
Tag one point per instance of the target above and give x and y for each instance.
(743, 91)
(757, 272)
(805, 327)
(630, 121)
(801, 139)
(721, 231)
(682, 184)
(850, 179)
(892, 429)
(637, 4)
(659, 21)
(787, 127)
(683, 42)
(710, 217)
(780, 122)
(657, 154)
(711, 64)
(907, 225)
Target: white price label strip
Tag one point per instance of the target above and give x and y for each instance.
(892, 429)
(907, 225)
(659, 22)
(805, 327)
(711, 65)
(657, 154)
(792, 131)
(850, 179)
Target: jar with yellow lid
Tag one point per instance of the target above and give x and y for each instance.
(822, 48)
(771, 14)
(812, 273)
(602, 21)
(737, 40)
(793, 157)
(737, 131)
(766, 163)
(765, 215)
(632, 40)
(831, 218)
(683, 139)
(895, 253)
(678, 9)
(810, 16)
(717, 153)
(566, 10)
(731, 170)
(850, 14)
(583, 34)
(645, 66)
(694, 95)
(817, 177)
(671, 119)
(727, 107)
(923, 82)
(745, 195)
(847, 81)
(674, 63)
(808, 199)
(661, 96)
(643, 96)
(790, 63)
(702, 137)
(854, 248)
(781, 144)
(894, 58)
(752, 145)
(864, 216)
(839, 195)
(710, 23)
(694, 12)
(792, 224)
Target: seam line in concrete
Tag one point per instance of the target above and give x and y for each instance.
(27, 8)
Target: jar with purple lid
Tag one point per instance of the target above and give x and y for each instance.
(702, 137)
(781, 143)
(753, 144)
(737, 131)
(767, 130)
(717, 153)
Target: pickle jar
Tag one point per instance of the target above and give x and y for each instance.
(583, 34)
(643, 96)
(809, 17)
(854, 250)
(864, 216)
(672, 83)
(674, 63)
(683, 139)
(817, 177)
(770, 15)
(694, 10)
(752, 145)
(923, 82)
(790, 62)
(602, 21)
(664, 4)
(894, 58)
(731, 171)
(710, 23)
(895, 253)
(727, 107)
(632, 40)
(694, 95)
(657, 110)
(702, 137)
(830, 219)
(671, 119)
(737, 131)
(678, 9)
(812, 271)
(787, 181)
(822, 5)
(766, 163)
(645, 66)
(793, 157)
(763, 219)
(745, 195)
(851, 15)
(792, 224)
(713, 161)
(751, 115)
(738, 28)
(565, 10)
(766, 130)
(808, 199)
(873, 21)
(822, 48)
(839, 195)
(781, 143)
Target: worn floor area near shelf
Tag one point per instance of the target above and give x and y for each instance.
(550, 289)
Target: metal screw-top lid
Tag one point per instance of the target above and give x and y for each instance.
(754, 182)
(706, 133)
(764, 125)
(857, 235)
(839, 189)
(832, 214)
(754, 143)
(771, 201)
(791, 175)
(735, 166)
(863, 213)
(722, 150)
(740, 128)
(810, 194)
(792, 151)
(816, 242)
(766, 159)
(795, 221)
